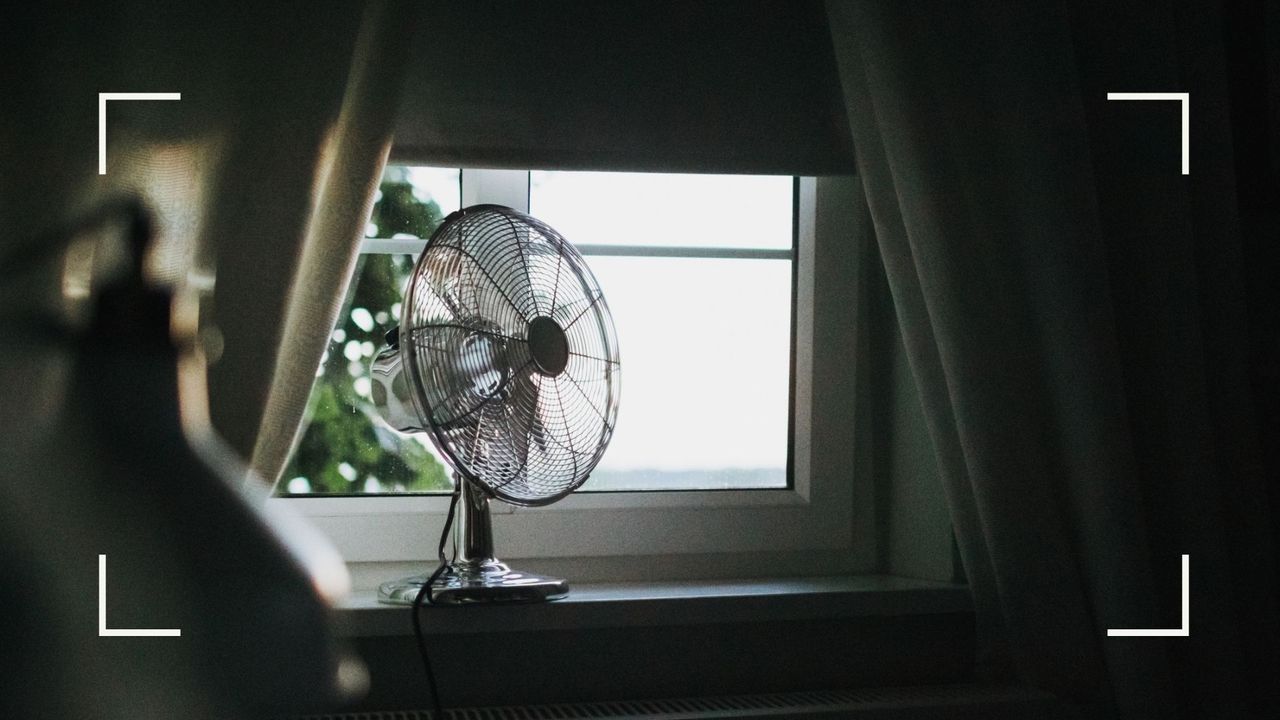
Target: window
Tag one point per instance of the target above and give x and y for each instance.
(707, 349)
(735, 434)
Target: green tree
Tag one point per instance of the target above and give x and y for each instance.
(345, 445)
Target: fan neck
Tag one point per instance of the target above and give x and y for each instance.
(474, 526)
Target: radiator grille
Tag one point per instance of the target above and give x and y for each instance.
(779, 705)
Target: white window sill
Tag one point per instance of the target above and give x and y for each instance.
(668, 603)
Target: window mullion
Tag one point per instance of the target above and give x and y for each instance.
(497, 187)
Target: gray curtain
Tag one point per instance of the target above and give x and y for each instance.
(351, 166)
(288, 224)
(1076, 322)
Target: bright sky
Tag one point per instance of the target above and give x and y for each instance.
(705, 344)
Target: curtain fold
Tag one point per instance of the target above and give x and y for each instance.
(280, 104)
(1071, 310)
(350, 167)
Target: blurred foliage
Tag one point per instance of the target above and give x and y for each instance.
(345, 447)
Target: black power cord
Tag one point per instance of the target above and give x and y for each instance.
(425, 594)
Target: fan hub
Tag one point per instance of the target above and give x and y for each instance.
(548, 345)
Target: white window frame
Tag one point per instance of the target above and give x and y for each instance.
(817, 526)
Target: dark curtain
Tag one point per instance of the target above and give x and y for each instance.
(1077, 318)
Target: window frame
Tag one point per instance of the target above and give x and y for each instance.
(820, 524)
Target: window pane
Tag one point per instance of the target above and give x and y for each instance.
(345, 448)
(411, 201)
(604, 208)
(706, 352)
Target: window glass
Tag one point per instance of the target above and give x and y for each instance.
(721, 211)
(706, 350)
(345, 448)
(411, 201)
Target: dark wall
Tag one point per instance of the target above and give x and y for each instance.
(1253, 57)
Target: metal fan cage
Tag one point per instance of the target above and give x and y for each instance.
(510, 346)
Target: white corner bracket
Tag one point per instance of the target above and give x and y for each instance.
(102, 117)
(103, 630)
(1185, 630)
(1185, 99)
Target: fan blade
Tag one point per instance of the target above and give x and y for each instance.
(442, 273)
(525, 392)
(460, 282)
(510, 453)
(467, 365)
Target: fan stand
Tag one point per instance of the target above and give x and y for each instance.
(475, 575)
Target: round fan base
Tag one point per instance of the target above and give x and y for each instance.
(489, 582)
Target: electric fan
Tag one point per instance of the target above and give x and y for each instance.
(506, 355)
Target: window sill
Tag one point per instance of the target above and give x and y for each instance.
(648, 604)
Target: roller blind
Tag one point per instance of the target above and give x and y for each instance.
(691, 87)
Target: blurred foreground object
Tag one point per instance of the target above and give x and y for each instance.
(108, 450)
